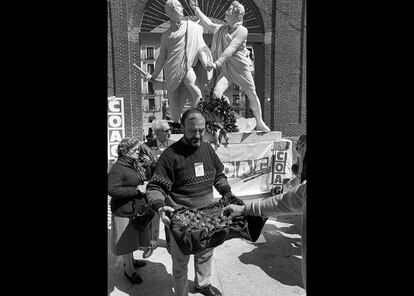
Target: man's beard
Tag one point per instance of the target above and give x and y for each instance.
(193, 141)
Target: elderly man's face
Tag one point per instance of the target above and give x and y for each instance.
(194, 128)
(163, 133)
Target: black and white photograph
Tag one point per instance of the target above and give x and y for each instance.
(206, 147)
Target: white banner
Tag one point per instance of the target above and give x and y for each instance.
(116, 125)
(248, 166)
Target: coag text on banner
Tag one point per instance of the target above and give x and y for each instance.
(116, 125)
(248, 166)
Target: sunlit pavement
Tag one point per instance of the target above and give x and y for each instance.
(270, 266)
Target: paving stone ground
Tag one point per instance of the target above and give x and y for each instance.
(268, 267)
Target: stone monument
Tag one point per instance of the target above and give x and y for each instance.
(186, 60)
(231, 57)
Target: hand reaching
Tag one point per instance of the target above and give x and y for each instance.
(228, 197)
(233, 210)
(162, 213)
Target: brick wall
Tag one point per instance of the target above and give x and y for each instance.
(288, 68)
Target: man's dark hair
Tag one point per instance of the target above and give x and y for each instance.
(188, 113)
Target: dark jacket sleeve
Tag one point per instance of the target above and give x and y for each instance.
(116, 188)
(161, 181)
(149, 165)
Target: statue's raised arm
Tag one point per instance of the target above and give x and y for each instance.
(204, 20)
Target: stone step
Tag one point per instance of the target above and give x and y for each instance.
(242, 137)
(254, 137)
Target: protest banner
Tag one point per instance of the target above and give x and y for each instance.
(116, 125)
(248, 166)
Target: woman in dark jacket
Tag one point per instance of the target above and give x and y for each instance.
(124, 178)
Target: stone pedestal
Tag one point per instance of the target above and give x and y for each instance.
(241, 137)
(249, 137)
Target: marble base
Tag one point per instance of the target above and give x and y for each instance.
(248, 137)
(241, 137)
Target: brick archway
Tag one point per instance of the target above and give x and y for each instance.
(154, 15)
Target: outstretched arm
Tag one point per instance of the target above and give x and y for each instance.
(288, 203)
(204, 20)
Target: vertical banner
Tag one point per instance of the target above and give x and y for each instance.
(280, 170)
(116, 125)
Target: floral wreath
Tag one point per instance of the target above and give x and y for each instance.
(218, 113)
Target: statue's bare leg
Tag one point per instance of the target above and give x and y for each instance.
(189, 81)
(176, 105)
(221, 85)
(257, 110)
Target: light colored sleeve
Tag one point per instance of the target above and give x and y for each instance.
(288, 203)
(238, 39)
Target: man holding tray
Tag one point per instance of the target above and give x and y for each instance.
(184, 177)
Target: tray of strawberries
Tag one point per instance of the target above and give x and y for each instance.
(195, 230)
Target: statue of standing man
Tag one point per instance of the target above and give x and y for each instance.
(185, 58)
(231, 56)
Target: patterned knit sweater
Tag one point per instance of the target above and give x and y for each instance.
(185, 176)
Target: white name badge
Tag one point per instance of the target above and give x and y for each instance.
(199, 169)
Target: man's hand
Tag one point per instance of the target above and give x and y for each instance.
(142, 189)
(228, 197)
(162, 213)
(233, 210)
